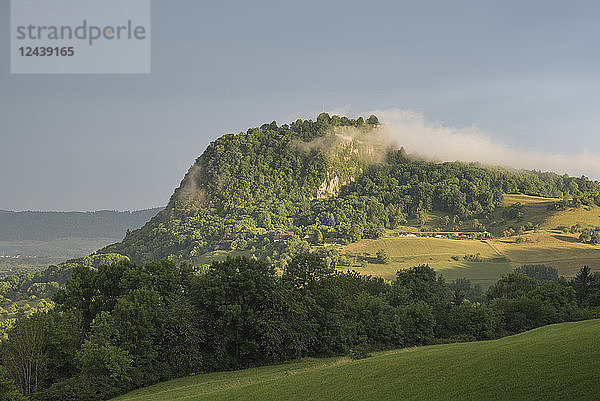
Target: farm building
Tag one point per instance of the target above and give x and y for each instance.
(333, 241)
(283, 237)
(450, 234)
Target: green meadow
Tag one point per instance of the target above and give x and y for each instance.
(557, 362)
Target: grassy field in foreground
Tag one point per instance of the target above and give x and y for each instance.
(558, 362)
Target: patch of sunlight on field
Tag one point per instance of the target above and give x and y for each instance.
(536, 209)
(406, 252)
(482, 273)
(404, 247)
(537, 212)
(584, 216)
(526, 200)
(562, 251)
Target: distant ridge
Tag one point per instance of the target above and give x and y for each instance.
(46, 226)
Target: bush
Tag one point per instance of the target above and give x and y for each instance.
(473, 257)
(590, 312)
(468, 322)
(541, 273)
(361, 351)
(513, 285)
(383, 257)
(558, 298)
(522, 314)
(419, 323)
(590, 236)
(8, 391)
(77, 388)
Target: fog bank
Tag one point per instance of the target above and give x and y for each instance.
(435, 140)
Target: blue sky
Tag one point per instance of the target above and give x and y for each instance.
(526, 74)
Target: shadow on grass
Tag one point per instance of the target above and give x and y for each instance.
(566, 238)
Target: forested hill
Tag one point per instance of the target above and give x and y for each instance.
(331, 178)
(46, 226)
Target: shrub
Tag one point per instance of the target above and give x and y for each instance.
(541, 273)
(473, 258)
(521, 314)
(361, 351)
(383, 257)
(8, 391)
(77, 388)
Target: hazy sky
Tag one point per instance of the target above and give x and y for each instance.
(526, 74)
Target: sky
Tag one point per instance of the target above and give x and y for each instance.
(522, 77)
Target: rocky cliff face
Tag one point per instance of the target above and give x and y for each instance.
(348, 152)
(332, 185)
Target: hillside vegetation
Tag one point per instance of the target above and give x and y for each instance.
(275, 191)
(558, 362)
(24, 294)
(334, 179)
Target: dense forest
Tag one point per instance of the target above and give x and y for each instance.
(46, 226)
(24, 294)
(121, 326)
(333, 178)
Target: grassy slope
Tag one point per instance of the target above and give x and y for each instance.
(437, 252)
(548, 246)
(558, 362)
(563, 251)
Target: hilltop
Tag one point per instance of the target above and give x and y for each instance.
(558, 362)
(274, 191)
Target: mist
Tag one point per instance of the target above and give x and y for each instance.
(434, 140)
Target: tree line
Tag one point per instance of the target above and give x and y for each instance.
(121, 326)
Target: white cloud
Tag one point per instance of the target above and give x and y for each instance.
(433, 139)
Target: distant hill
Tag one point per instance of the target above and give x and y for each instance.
(558, 362)
(47, 226)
